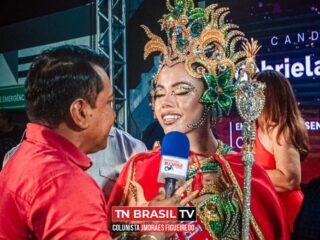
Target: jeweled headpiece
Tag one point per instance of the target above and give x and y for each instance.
(206, 43)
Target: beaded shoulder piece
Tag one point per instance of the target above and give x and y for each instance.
(209, 164)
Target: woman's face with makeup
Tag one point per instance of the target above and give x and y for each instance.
(177, 96)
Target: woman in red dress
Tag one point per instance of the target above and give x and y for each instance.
(281, 141)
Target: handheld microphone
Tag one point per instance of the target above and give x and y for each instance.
(174, 161)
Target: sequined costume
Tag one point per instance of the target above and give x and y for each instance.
(219, 213)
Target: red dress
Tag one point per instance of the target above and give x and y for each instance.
(291, 201)
(267, 221)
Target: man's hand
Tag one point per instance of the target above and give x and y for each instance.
(175, 200)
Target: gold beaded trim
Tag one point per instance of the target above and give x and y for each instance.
(240, 194)
(126, 188)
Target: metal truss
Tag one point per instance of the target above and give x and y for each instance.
(111, 40)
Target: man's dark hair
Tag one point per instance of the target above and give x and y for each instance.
(59, 76)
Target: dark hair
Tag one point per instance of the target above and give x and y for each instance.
(281, 109)
(57, 77)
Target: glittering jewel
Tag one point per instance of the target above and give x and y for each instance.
(179, 32)
(222, 67)
(217, 55)
(182, 44)
(197, 51)
(220, 91)
(196, 27)
(250, 99)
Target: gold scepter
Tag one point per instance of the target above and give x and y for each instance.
(250, 102)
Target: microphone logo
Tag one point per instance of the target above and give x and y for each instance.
(174, 161)
(174, 165)
(168, 168)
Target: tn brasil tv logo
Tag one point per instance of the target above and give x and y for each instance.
(157, 219)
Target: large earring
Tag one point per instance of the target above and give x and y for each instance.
(203, 118)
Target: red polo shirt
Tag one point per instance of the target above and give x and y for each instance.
(46, 194)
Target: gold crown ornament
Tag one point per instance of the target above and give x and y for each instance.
(206, 43)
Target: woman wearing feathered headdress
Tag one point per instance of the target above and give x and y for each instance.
(191, 90)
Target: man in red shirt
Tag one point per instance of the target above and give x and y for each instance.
(45, 192)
